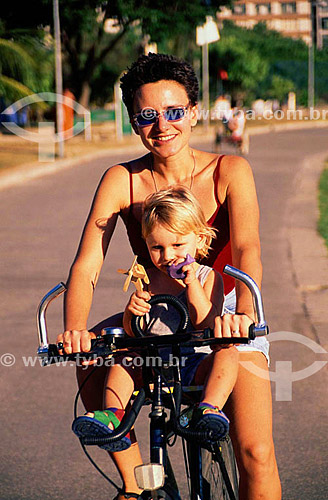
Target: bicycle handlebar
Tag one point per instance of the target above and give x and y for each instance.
(260, 327)
(103, 346)
(106, 345)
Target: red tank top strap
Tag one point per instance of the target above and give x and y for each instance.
(128, 166)
(216, 177)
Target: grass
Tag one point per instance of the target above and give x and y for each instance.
(323, 204)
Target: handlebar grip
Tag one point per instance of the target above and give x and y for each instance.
(163, 299)
(251, 332)
(257, 331)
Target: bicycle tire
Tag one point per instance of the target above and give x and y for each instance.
(214, 486)
(161, 494)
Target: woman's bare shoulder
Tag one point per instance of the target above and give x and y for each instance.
(124, 169)
(234, 168)
(234, 164)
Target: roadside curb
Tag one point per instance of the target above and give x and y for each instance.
(307, 248)
(280, 127)
(22, 173)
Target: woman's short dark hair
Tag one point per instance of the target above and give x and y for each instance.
(155, 67)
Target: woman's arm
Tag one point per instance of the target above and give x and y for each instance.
(244, 230)
(243, 209)
(84, 273)
(204, 303)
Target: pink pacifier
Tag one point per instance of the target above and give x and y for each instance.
(175, 271)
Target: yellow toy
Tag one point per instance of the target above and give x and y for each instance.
(136, 274)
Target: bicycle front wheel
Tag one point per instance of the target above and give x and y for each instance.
(219, 474)
(164, 493)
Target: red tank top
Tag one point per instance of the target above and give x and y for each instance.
(220, 253)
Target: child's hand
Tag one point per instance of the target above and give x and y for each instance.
(190, 272)
(138, 303)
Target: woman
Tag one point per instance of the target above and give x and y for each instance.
(161, 94)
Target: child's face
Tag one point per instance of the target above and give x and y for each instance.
(167, 248)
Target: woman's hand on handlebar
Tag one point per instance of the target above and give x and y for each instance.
(232, 325)
(75, 341)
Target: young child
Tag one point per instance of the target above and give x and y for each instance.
(173, 226)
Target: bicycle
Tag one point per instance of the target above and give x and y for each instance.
(210, 464)
(224, 135)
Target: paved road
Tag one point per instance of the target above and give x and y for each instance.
(41, 225)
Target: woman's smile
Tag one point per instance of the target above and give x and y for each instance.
(164, 138)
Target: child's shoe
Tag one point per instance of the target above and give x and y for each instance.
(102, 424)
(209, 417)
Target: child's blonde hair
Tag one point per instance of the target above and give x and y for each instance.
(178, 210)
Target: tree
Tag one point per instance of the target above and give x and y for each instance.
(245, 68)
(280, 87)
(25, 66)
(85, 42)
(262, 63)
(15, 71)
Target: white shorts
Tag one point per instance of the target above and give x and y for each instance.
(259, 344)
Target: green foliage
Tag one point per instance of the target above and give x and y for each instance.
(162, 19)
(260, 62)
(323, 205)
(263, 63)
(16, 62)
(87, 47)
(107, 72)
(18, 71)
(26, 62)
(280, 87)
(245, 68)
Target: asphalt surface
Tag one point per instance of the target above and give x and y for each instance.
(41, 224)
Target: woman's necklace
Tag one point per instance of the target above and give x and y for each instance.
(191, 175)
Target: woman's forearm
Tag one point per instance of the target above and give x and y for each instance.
(78, 299)
(248, 261)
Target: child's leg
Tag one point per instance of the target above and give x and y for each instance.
(218, 372)
(118, 389)
(118, 384)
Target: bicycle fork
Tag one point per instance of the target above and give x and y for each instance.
(151, 476)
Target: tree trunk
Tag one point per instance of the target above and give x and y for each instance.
(85, 95)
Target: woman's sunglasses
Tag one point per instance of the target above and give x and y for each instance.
(149, 116)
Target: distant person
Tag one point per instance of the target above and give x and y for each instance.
(236, 124)
(222, 108)
(68, 114)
